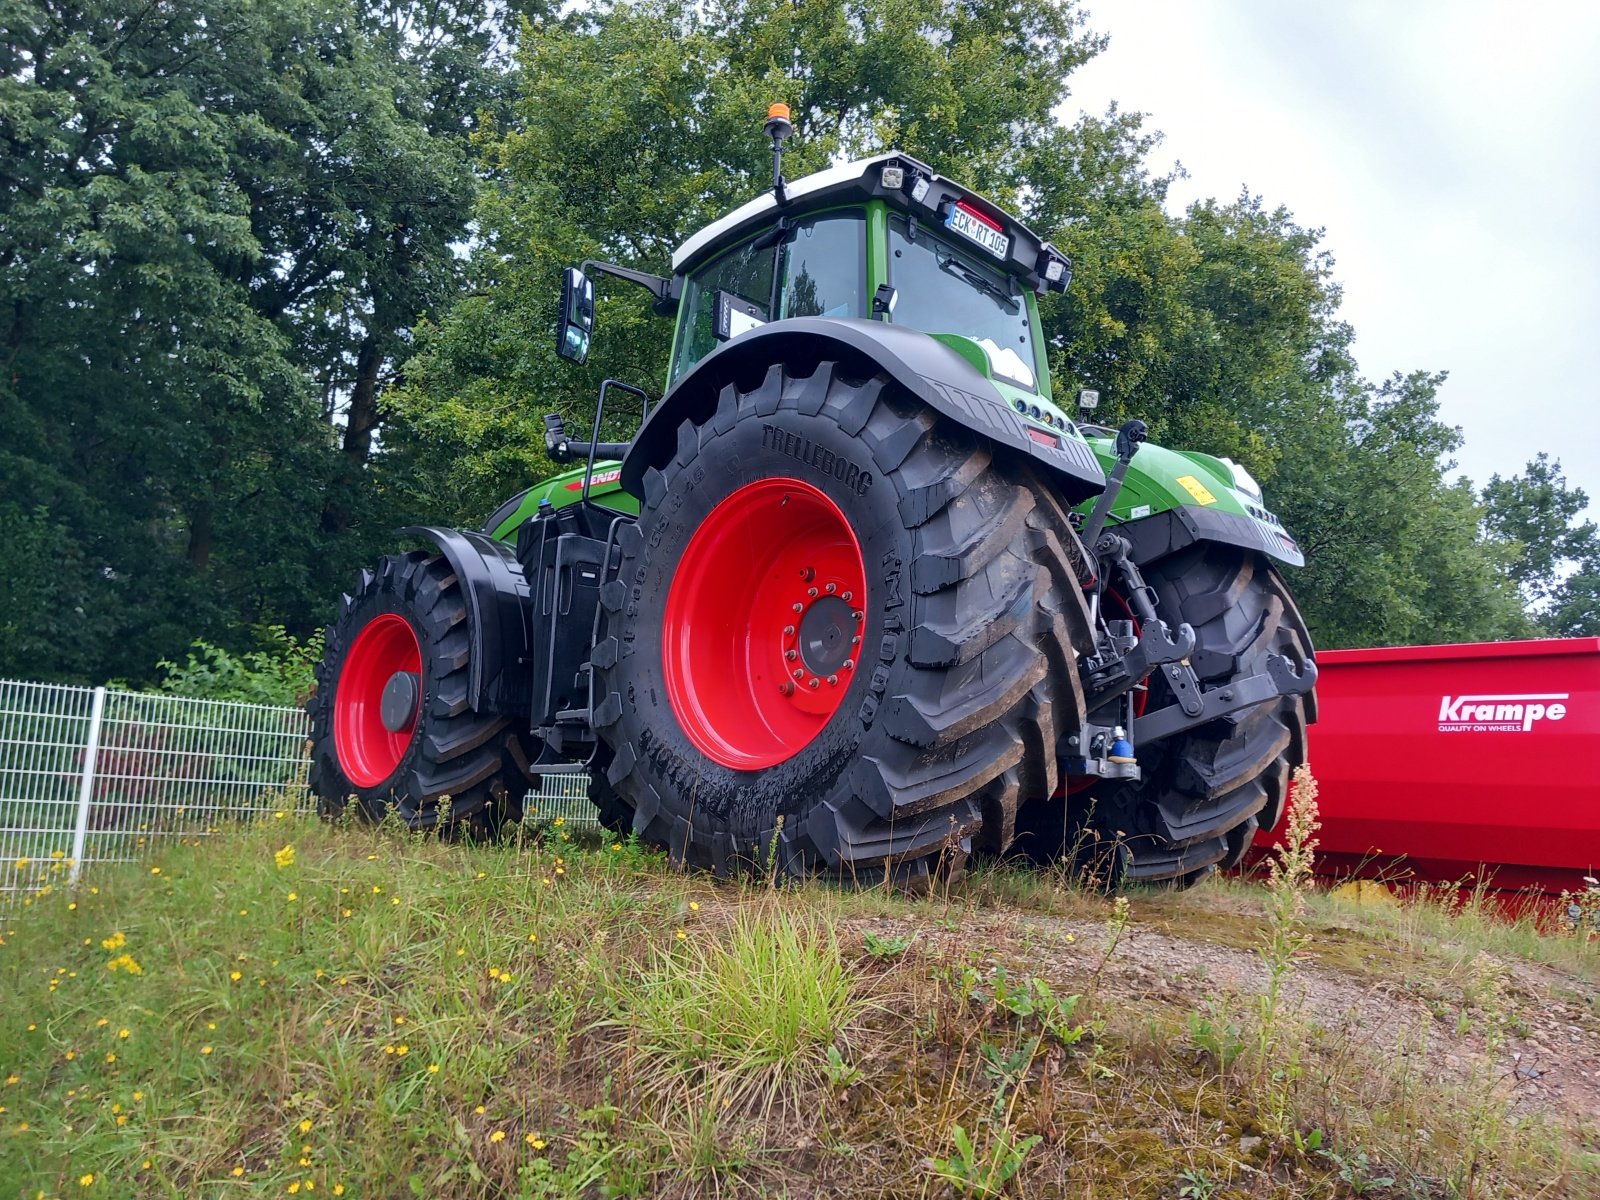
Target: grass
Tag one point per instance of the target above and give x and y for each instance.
(378, 1015)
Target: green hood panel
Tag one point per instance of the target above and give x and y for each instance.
(1162, 481)
(561, 490)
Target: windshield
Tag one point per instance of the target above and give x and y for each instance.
(943, 288)
(824, 275)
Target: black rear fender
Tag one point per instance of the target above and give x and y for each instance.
(500, 612)
(927, 369)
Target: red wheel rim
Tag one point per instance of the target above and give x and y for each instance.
(368, 749)
(762, 631)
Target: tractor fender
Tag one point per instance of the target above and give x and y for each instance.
(931, 371)
(1164, 533)
(501, 616)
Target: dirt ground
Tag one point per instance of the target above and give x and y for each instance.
(1417, 1000)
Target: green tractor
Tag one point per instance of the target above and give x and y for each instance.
(858, 599)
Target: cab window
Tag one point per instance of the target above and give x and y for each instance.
(943, 287)
(823, 265)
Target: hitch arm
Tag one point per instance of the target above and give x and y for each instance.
(1279, 679)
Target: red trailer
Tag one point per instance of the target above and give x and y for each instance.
(1448, 758)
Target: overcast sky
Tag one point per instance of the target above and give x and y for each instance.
(1451, 151)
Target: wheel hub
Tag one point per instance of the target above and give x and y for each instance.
(398, 708)
(763, 623)
(826, 628)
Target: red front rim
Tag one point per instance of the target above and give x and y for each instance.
(369, 750)
(762, 631)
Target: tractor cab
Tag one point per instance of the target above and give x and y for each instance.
(883, 239)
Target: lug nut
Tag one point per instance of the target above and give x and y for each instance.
(791, 655)
(799, 672)
(847, 597)
(856, 641)
(833, 681)
(849, 665)
(814, 683)
(788, 631)
(856, 616)
(798, 607)
(812, 592)
(832, 588)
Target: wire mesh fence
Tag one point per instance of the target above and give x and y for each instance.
(93, 775)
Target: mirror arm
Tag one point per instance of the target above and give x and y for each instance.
(663, 288)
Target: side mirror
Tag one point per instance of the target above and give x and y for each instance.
(577, 316)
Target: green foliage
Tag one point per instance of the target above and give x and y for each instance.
(766, 1001)
(638, 123)
(218, 221)
(277, 673)
(278, 277)
(885, 947)
(984, 1171)
(1553, 554)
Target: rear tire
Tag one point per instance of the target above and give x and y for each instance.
(452, 768)
(970, 617)
(1204, 793)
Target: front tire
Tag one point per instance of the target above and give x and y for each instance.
(843, 630)
(391, 728)
(1205, 792)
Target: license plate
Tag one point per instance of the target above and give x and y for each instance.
(973, 229)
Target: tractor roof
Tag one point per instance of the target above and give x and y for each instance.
(922, 192)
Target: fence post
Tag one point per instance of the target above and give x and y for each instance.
(86, 789)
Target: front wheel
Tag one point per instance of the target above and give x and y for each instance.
(843, 630)
(1206, 791)
(391, 728)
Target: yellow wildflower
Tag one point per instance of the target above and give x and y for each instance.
(293, 896)
(238, 1171)
(86, 1180)
(235, 976)
(138, 1096)
(115, 942)
(284, 857)
(155, 870)
(433, 1068)
(305, 1125)
(402, 1049)
(694, 906)
(537, 1143)
(205, 1049)
(682, 935)
(122, 1033)
(101, 1023)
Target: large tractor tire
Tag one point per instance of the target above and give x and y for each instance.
(1204, 793)
(845, 630)
(391, 728)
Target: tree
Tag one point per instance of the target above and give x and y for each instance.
(637, 124)
(219, 220)
(1553, 553)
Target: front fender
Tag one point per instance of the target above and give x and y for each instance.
(500, 617)
(929, 370)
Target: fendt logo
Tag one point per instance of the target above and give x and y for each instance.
(1499, 714)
